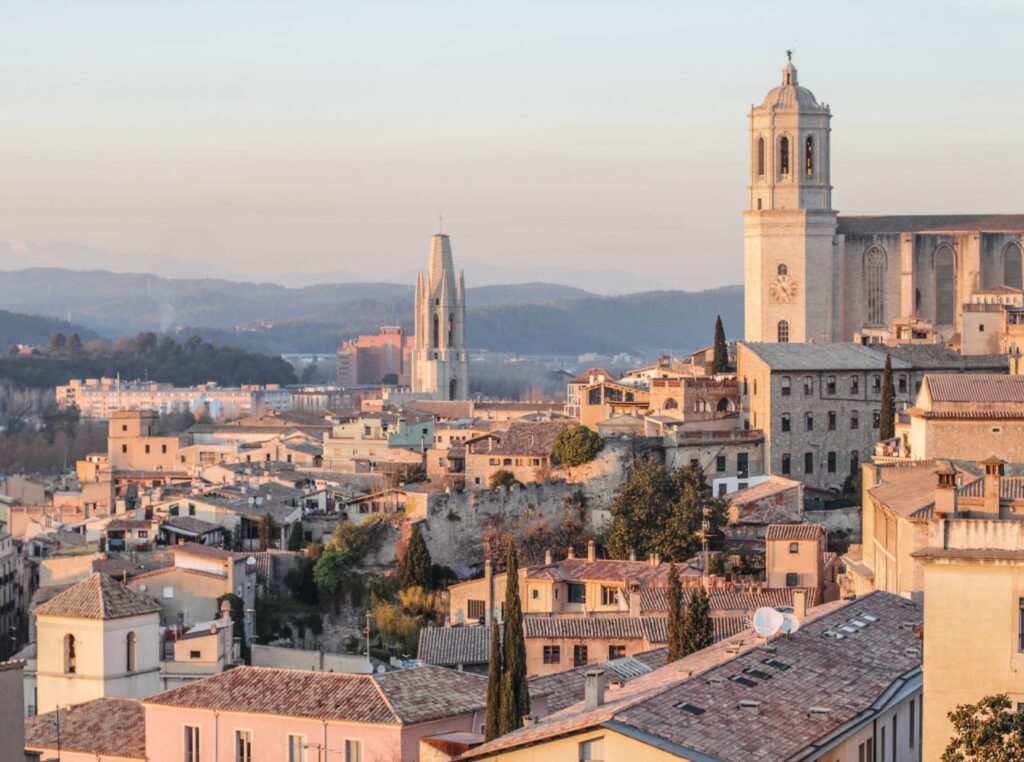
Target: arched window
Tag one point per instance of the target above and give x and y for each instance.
(670, 404)
(129, 662)
(1012, 275)
(782, 270)
(945, 286)
(700, 406)
(451, 389)
(874, 285)
(760, 157)
(437, 332)
(451, 329)
(783, 331)
(725, 405)
(809, 156)
(784, 156)
(70, 662)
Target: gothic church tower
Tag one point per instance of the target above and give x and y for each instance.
(440, 366)
(789, 227)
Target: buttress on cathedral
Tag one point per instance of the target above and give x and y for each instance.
(813, 275)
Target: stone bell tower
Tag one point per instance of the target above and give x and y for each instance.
(789, 226)
(440, 365)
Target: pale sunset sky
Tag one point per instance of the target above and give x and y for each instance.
(253, 139)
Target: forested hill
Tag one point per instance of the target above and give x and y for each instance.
(193, 361)
(34, 330)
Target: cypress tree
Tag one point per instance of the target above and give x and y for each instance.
(674, 626)
(887, 426)
(700, 632)
(515, 694)
(295, 536)
(416, 568)
(720, 360)
(492, 722)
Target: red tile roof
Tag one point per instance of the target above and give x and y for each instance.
(535, 438)
(975, 387)
(794, 532)
(590, 375)
(97, 597)
(106, 727)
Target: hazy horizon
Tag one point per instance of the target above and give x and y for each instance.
(260, 139)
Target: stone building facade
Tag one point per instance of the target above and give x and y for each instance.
(812, 275)
(440, 364)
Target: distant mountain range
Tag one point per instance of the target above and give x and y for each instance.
(533, 318)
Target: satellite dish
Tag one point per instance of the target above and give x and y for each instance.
(790, 624)
(768, 621)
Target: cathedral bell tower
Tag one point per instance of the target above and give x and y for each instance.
(440, 367)
(789, 227)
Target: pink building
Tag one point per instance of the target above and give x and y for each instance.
(369, 359)
(277, 715)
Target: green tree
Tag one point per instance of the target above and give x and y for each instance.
(576, 446)
(502, 478)
(495, 670)
(989, 731)
(329, 572)
(268, 532)
(57, 343)
(887, 424)
(515, 693)
(720, 359)
(698, 631)
(73, 344)
(416, 567)
(676, 612)
(295, 538)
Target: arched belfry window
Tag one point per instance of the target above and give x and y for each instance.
(784, 156)
(70, 660)
(783, 331)
(944, 263)
(783, 270)
(760, 157)
(1012, 275)
(452, 388)
(451, 328)
(809, 156)
(874, 285)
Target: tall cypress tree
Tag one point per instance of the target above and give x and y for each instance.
(700, 631)
(674, 627)
(416, 568)
(515, 694)
(720, 360)
(887, 425)
(492, 722)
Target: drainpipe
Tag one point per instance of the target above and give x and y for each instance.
(216, 736)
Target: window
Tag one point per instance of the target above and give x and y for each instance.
(143, 534)
(809, 156)
(194, 654)
(353, 751)
(552, 654)
(124, 449)
(783, 332)
(476, 610)
(786, 466)
(147, 449)
(129, 662)
(720, 463)
(854, 462)
(854, 384)
(854, 419)
(784, 156)
(808, 462)
(830, 385)
(876, 384)
(191, 743)
(874, 285)
(760, 157)
(163, 449)
(535, 594)
(243, 746)
(694, 463)
(808, 385)
(579, 656)
(592, 750)
(296, 748)
(70, 660)
(577, 593)
(831, 461)
(944, 263)
(742, 464)
(785, 383)
(876, 417)
(609, 596)
(1020, 626)
(901, 383)
(808, 421)
(616, 652)
(794, 547)
(1012, 274)
(831, 420)
(785, 421)
(792, 579)
(782, 270)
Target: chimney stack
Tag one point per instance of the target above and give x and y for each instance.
(593, 691)
(591, 551)
(572, 552)
(993, 476)
(547, 557)
(800, 603)
(945, 490)
(634, 598)
(632, 555)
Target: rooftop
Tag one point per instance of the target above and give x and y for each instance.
(105, 728)
(923, 223)
(97, 597)
(795, 532)
(816, 357)
(975, 387)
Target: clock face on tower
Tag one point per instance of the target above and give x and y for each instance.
(782, 289)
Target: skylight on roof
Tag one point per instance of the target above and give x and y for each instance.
(696, 711)
(743, 681)
(757, 673)
(779, 665)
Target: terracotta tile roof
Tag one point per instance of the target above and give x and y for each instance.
(608, 626)
(590, 375)
(907, 491)
(795, 532)
(449, 646)
(772, 486)
(562, 689)
(402, 697)
(723, 626)
(601, 570)
(97, 597)
(522, 438)
(808, 669)
(656, 598)
(205, 551)
(106, 727)
(191, 524)
(975, 387)
(121, 525)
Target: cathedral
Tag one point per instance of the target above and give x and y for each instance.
(440, 365)
(811, 274)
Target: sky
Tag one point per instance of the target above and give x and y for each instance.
(300, 139)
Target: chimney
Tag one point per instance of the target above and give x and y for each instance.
(634, 598)
(800, 603)
(591, 551)
(547, 557)
(529, 720)
(593, 690)
(993, 476)
(572, 552)
(945, 490)
(632, 555)
(489, 584)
